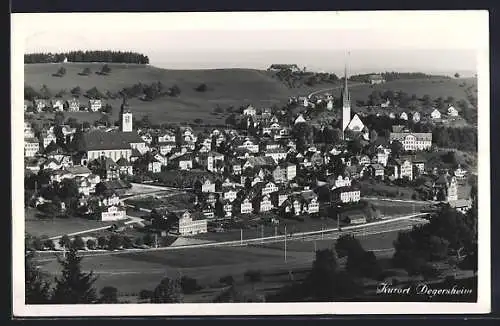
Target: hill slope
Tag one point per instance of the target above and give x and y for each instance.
(227, 87)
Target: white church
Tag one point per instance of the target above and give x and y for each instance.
(351, 123)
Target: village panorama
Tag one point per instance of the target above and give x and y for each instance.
(147, 185)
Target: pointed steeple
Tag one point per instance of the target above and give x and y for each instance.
(346, 97)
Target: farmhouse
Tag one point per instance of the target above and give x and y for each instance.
(95, 105)
(401, 168)
(73, 105)
(376, 79)
(435, 114)
(452, 112)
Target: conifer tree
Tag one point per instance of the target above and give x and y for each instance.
(75, 286)
(37, 290)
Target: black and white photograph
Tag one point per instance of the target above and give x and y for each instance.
(250, 163)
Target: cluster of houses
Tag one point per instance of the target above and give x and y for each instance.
(249, 174)
(61, 105)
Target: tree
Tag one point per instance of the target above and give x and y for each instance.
(78, 243)
(127, 242)
(228, 280)
(37, 290)
(219, 209)
(322, 277)
(201, 88)
(49, 244)
(102, 241)
(61, 72)
(396, 148)
(65, 241)
(45, 92)
(174, 91)
(74, 286)
(109, 294)
(189, 285)
(115, 242)
(77, 91)
(457, 75)
(105, 70)
(85, 72)
(355, 146)
(373, 135)
(91, 244)
(231, 120)
(347, 244)
(149, 239)
(37, 243)
(168, 291)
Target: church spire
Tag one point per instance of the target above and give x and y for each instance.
(346, 98)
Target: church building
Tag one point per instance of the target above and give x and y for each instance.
(350, 123)
(115, 145)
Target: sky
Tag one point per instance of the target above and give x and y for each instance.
(377, 41)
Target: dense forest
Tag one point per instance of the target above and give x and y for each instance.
(389, 76)
(87, 56)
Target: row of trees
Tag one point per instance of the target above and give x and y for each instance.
(88, 56)
(460, 138)
(390, 76)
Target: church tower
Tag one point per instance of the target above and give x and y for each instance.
(125, 117)
(346, 104)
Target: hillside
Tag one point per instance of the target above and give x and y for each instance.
(227, 87)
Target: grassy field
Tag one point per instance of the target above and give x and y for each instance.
(227, 87)
(59, 226)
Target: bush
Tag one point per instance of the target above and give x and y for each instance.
(49, 244)
(127, 242)
(78, 243)
(189, 285)
(91, 244)
(227, 280)
(102, 241)
(253, 276)
(115, 242)
(201, 88)
(145, 294)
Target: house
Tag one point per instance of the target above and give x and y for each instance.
(84, 186)
(154, 166)
(79, 171)
(386, 104)
(262, 204)
(249, 145)
(461, 205)
(183, 162)
(392, 115)
(73, 105)
(31, 147)
(212, 161)
(95, 105)
(187, 225)
(162, 159)
(106, 168)
(310, 202)
(166, 137)
(300, 119)
(208, 211)
(305, 102)
(279, 197)
(339, 182)
(452, 112)
(445, 188)
(259, 162)
(376, 79)
(46, 138)
(435, 114)
(404, 116)
(245, 206)
(382, 156)
(166, 147)
(284, 172)
(51, 164)
(28, 131)
(415, 117)
(229, 193)
(376, 171)
(401, 168)
(250, 110)
(57, 105)
(345, 195)
(148, 139)
(278, 154)
(40, 104)
(124, 166)
(329, 105)
(268, 188)
(364, 160)
(353, 217)
(113, 213)
(235, 167)
(460, 173)
(208, 186)
(59, 175)
(417, 141)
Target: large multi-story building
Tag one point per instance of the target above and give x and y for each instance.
(412, 141)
